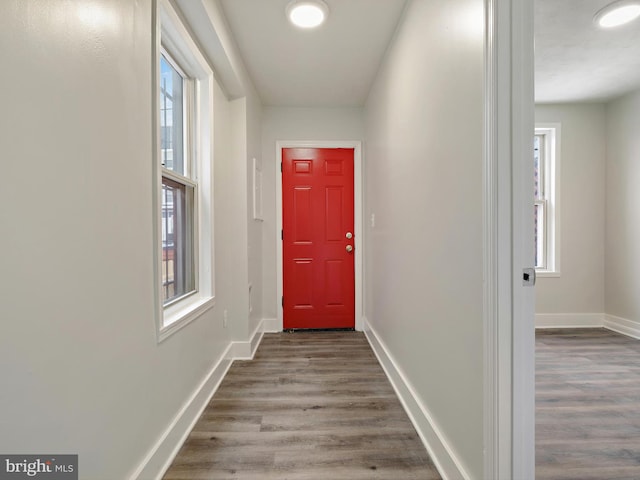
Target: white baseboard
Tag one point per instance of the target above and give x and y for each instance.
(271, 325)
(569, 320)
(627, 327)
(159, 458)
(246, 350)
(439, 450)
(624, 326)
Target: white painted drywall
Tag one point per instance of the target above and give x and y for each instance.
(622, 245)
(294, 124)
(232, 261)
(580, 287)
(423, 266)
(80, 367)
(254, 241)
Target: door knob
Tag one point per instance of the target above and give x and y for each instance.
(349, 235)
(349, 248)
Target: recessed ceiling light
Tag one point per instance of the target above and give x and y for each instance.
(617, 13)
(307, 13)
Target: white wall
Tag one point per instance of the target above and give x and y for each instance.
(254, 246)
(423, 150)
(284, 123)
(580, 287)
(242, 262)
(231, 245)
(80, 366)
(622, 247)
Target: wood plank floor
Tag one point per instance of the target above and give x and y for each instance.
(587, 405)
(312, 405)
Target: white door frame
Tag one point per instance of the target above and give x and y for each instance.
(358, 225)
(509, 370)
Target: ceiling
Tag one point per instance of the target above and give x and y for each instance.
(335, 64)
(578, 62)
(332, 65)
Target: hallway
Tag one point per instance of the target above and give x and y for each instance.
(310, 405)
(143, 245)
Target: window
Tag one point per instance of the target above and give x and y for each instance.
(183, 166)
(178, 185)
(546, 199)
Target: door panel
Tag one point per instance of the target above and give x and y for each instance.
(333, 282)
(334, 230)
(302, 295)
(317, 209)
(302, 221)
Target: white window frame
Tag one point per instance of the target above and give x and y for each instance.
(172, 36)
(551, 202)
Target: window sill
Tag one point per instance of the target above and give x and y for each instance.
(178, 316)
(547, 274)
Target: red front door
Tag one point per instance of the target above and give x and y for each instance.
(318, 243)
